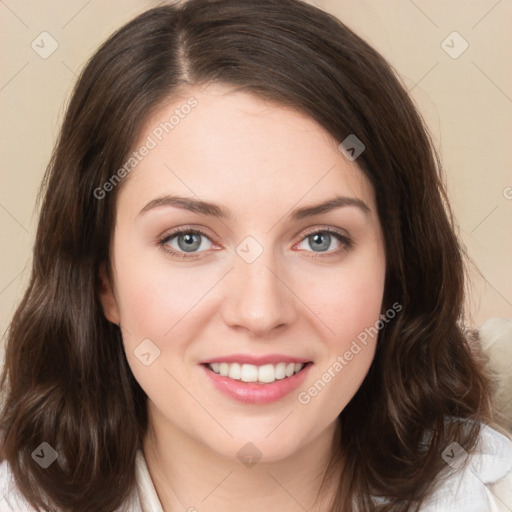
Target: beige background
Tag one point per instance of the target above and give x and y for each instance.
(466, 101)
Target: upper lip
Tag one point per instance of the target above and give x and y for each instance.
(256, 360)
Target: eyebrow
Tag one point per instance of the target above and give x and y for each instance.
(214, 210)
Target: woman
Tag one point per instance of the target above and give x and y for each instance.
(246, 289)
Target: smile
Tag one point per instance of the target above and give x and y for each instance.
(256, 384)
(264, 374)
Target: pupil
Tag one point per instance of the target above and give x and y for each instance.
(317, 239)
(190, 242)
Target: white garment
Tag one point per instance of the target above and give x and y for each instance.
(484, 486)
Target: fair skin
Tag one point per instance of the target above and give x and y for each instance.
(302, 297)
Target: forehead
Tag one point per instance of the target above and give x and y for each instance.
(235, 148)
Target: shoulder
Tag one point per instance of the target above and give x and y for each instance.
(478, 482)
(10, 498)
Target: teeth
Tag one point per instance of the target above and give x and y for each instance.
(251, 373)
(267, 373)
(280, 370)
(224, 369)
(235, 371)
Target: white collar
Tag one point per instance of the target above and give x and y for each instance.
(472, 488)
(483, 485)
(146, 497)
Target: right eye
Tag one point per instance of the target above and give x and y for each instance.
(181, 242)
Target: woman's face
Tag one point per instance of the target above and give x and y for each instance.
(249, 286)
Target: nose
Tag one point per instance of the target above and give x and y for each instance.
(257, 298)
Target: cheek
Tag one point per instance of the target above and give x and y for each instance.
(156, 307)
(348, 299)
(166, 305)
(349, 303)
(153, 297)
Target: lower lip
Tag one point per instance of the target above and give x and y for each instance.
(255, 393)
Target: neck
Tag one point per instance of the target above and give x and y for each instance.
(189, 476)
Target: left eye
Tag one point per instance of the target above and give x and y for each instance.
(321, 241)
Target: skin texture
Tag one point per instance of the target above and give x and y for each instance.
(261, 161)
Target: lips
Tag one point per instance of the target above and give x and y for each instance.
(256, 380)
(256, 360)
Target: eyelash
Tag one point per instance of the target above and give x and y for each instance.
(346, 242)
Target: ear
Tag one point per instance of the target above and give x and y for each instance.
(107, 297)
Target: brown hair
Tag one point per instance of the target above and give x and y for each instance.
(66, 379)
